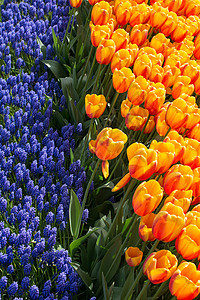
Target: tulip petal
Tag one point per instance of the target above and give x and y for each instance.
(105, 168)
(122, 182)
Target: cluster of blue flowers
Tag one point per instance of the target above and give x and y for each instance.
(36, 171)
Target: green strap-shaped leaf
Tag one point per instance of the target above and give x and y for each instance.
(74, 212)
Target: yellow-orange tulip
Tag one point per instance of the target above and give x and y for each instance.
(193, 217)
(157, 74)
(158, 16)
(137, 91)
(136, 118)
(150, 125)
(120, 59)
(170, 75)
(165, 155)
(140, 14)
(176, 114)
(101, 13)
(133, 256)
(172, 5)
(170, 24)
(161, 125)
(180, 31)
(133, 51)
(178, 141)
(143, 66)
(121, 38)
(122, 79)
(105, 51)
(178, 177)
(188, 242)
(160, 266)
(108, 145)
(147, 197)
(180, 198)
(182, 85)
(194, 132)
(98, 33)
(185, 282)
(191, 157)
(169, 222)
(145, 227)
(190, 69)
(75, 3)
(195, 187)
(159, 42)
(123, 12)
(125, 107)
(95, 105)
(139, 34)
(155, 98)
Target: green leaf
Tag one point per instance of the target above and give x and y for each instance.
(74, 213)
(76, 244)
(71, 156)
(105, 288)
(84, 276)
(42, 47)
(57, 69)
(108, 259)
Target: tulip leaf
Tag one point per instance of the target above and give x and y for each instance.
(108, 259)
(57, 68)
(74, 213)
(84, 275)
(105, 288)
(76, 244)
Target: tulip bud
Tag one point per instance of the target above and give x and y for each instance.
(133, 256)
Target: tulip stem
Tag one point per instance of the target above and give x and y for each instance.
(85, 68)
(66, 32)
(106, 78)
(143, 290)
(112, 226)
(112, 106)
(159, 290)
(129, 293)
(143, 129)
(167, 133)
(150, 136)
(116, 165)
(97, 78)
(87, 138)
(85, 196)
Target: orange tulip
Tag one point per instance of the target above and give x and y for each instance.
(150, 125)
(157, 74)
(158, 16)
(190, 69)
(136, 118)
(178, 177)
(195, 187)
(180, 198)
(140, 14)
(123, 12)
(145, 227)
(108, 145)
(122, 79)
(180, 32)
(191, 156)
(133, 51)
(137, 91)
(188, 242)
(142, 66)
(121, 38)
(169, 222)
(133, 256)
(192, 8)
(125, 107)
(178, 141)
(185, 282)
(155, 98)
(147, 197)
(193, 217)
(159, 42)
(75, 3)
(170, 24)
(161, 125)
(98, 33)
(170, 75)
(194, 132)
(172, 5)
(182, 85)
(139, 34)
(165, 155)
(105, 51)
(175, 115)
(120, 59)
(101, 13)
(95, 105)
(160, 266)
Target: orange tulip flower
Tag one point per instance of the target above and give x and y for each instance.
(188, 242)
(105, 51)
(98, 33)
(155, 98)
(95, 105)
(195, 187)
(192, 8)
(159, 42)
(138, 90)
(139, 34)
(101, 13)
(75, 3)
(157, 74)
(170, 75)
(165, 155)
(190, 69)
(120, 59)
(133, 51)
(145, 227)
(178, 177)
(121, 38)
(133, 256)
(193, 217)
(147, 197)
(140, 14)
(125, 107)
(178, 141)
(142, 164)
(108, 145)
(182, 85)
(180, 32)
(142, 66)
(123, 12)
(136, 118)
(180, 198)
(176, 114)
(194, 132)
(150, 125)
(161, 125)
(160, 266)
(191, 156)
(122, 79)
(170, 24)
(169, 222)
(172, 5)
(185, 282)
(158, 16)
